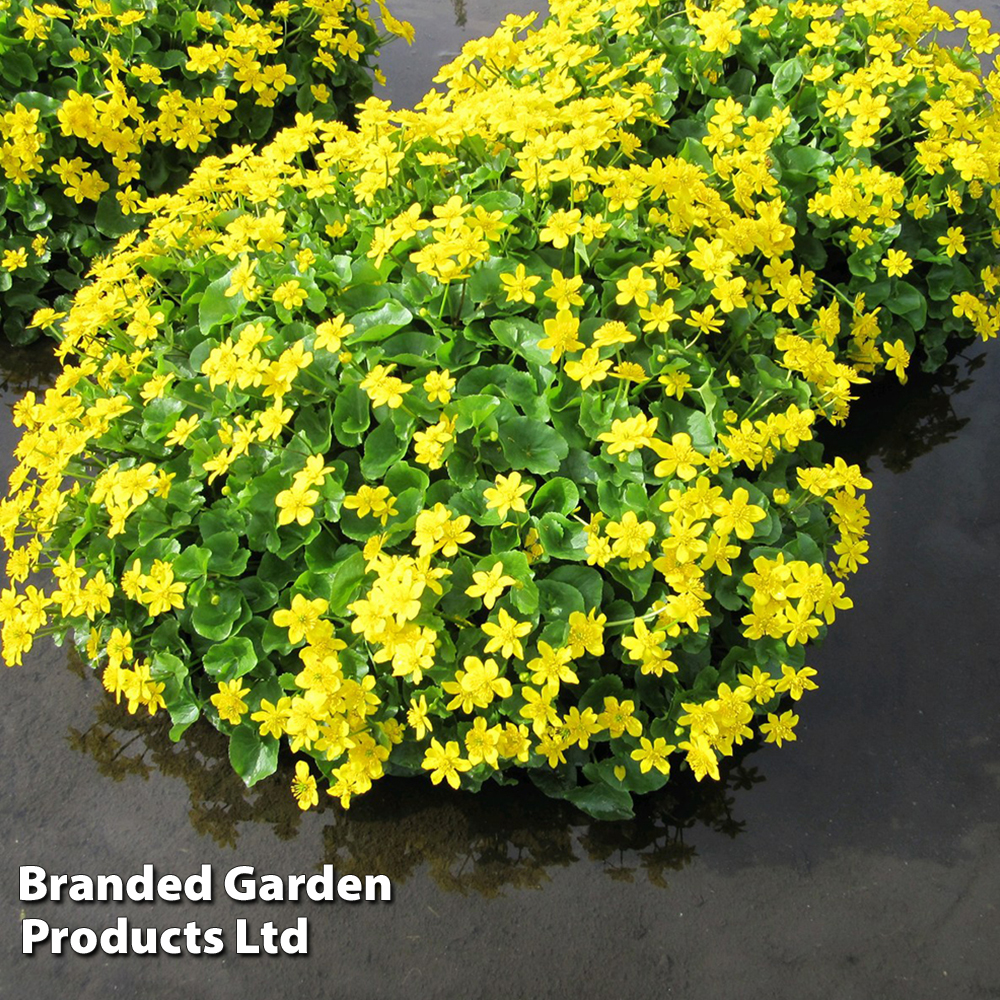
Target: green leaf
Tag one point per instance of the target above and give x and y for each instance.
(384, 446)
(602, 801)
(562, 538)
(521, 336)
(110, 220)
(17, 66)
(351, 415)
(608, 686)
(557, 601)
(908, 302)
(345, 582)
(402, 477)
(524, 594)
(35, 101)
(941, 282)
(530, 444)
(377, 324)
(807, 160)
(484, 283)
(181, 703)
(216, 610)
(159, 417)
(410, 347)
(787, 76)
(227, 557)
(253, 756)
(559, 494)
(862, 264)
(215, 307)
(587, 580)
(192, 563)
(702, 430)
(694, 152)
(474, 410)
(313, 424)
(226, 661)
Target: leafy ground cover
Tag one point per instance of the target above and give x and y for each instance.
(103, 104)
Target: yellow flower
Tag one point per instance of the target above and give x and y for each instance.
(182, 430)
(384, 389)
(304, 786)
(296, 504)
(518, 285)
(243, 281)
(898, 359)
(490, 585)
(418, 717)
(586, 633)
(589, 369)
(779, 728)
(505, 635)
(897, 263)
(438, 386)
(653, 754)
(272, 717)
(301, 618)
(445, 763)
(634, 287)
(618, 718)
(14, 259)
(229, 701)
(507, 494)
(290, 294)
(953, 241)
(560, 226)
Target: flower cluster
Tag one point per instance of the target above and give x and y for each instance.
(480, 439)
(102, 105)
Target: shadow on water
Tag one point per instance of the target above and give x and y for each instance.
(27, 369)
(896, 424)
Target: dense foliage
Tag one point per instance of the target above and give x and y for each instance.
(102, 104)
(479, 439)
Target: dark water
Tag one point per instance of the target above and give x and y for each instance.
(862, 861)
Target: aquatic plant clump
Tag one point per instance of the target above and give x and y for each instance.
(478, 441)
(102, 104)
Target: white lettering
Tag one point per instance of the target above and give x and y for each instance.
(243, 947)
(114, 940)
(320, 888)
(198, 888)
(295, 940)
(240, 891)
(140, 887)
(214, 943)
(83, 940)
(32, 885)
(168, 888)
(33, 930)
(272, 889)
(349, 888)
(385, 888)
(165, 939)
(110, 887)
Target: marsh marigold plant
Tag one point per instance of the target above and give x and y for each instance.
(479, 440)
(103, 104)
